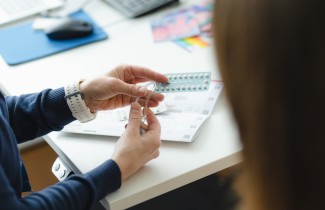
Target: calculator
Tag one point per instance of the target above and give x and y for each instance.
(136, 8)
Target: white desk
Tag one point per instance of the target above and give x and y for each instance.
(130, 41)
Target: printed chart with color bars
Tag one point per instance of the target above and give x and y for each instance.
(189, 28)
(191, 44)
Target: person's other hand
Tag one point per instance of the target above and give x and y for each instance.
(133, 150)
(118, 88)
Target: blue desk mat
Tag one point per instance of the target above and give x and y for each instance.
(21, 43)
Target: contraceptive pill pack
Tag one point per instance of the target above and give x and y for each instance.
(185, 82)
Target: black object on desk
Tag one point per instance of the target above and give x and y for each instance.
(69, 28)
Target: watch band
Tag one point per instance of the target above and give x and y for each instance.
(77, 105)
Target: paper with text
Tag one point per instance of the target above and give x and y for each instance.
(186, 112)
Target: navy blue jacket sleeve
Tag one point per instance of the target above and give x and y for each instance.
(34, 115)
(78, 192)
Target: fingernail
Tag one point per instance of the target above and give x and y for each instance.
(143, 90)
(144, 126)
(135, 106)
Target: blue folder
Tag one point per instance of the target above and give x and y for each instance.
(21, 43)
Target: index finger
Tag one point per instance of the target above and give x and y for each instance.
(148, 74)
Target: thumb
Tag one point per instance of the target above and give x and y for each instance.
(130, 89)
(135, 118)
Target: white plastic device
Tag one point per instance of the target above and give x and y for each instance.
(60, 169)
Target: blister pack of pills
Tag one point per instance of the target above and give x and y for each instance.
(185, 82)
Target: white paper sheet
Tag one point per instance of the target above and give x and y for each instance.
(186, 112)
